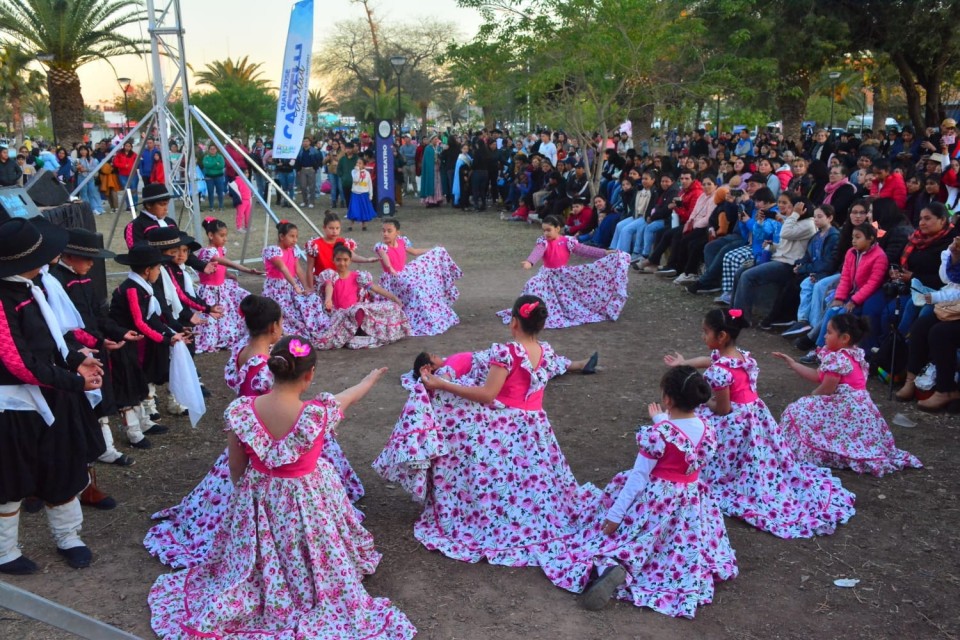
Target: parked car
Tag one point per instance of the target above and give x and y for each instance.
(855, 126)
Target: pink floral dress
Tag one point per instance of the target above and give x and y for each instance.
(845, 429)
(499, 487)
(671, 540)
(291, 555)
(185, 533)
(581, 294)
(427, 287)
(302, 315)
(383, 321)
(217, 289)
(755, 476)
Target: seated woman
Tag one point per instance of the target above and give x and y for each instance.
(936, 340)
(607, 220)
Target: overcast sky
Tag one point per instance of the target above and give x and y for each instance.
(217, 29)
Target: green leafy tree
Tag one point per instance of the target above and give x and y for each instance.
(17, 81)
(240, 71)
(71, 33)
(238, 108)
(139, 101)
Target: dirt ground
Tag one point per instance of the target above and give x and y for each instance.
(902, 544)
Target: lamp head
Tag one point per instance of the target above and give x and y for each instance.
(398, 62)
(123, 81)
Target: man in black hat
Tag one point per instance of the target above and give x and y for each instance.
(155, 203)
(47, 427)
(100, 332)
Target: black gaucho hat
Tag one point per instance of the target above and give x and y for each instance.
(25, 246)
(142, 255)
(83, 244)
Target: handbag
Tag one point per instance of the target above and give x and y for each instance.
(326, 187)
(947, 311)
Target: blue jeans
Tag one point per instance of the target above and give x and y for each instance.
(286, 182)
(261, 184)
(817, 302)
(649, 236)
(91, 195)
(336, 191)
(713, 257)
(872, 308)
(219, 184)
(628, 232)
(752, 279)
(130, 182)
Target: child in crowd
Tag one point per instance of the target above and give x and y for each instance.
(320, 251)
(184, 537)
(302, 311)
(656, 537)
(500, 487)
(838, 424)
(220, 289)
(426, 287)
(289, 534)
(361, 197)
(138, 366)
(580, 294)
(244, 200)
(761, 231)
(816, 266)
(356, 321)
(755, 475)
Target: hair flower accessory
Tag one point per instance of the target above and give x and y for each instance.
(299, 349)
(284, 221)
(350, 244)
(735, 313)
(209, 219)
(527, 309)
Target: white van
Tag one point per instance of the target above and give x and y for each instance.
(854, 124)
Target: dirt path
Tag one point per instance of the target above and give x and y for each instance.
(902, 544)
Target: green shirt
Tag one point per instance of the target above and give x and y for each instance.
(213, 165)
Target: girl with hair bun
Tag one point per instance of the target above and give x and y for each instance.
(302, 309)
(594, 292)
(320, 251)
(755, 475)
(220, 289)
(185, 536)
(290, 554)
(656, 524)
(500, 488)
(838, 425)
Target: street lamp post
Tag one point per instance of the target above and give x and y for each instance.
(124, 86)
(833, 97)
(398, 62)
(718, 115)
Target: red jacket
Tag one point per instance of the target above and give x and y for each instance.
(582, 223)
(893, 187)
(124, 163)
(690, 197)
(862, 274)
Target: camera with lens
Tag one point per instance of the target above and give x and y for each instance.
(896, 288)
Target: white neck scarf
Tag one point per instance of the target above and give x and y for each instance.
(63, 307)
(187, 282)
(161, 222)
(170, 292)
(153, 307)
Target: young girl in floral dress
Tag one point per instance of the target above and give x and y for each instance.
(184, 537)
(755, 475)
(356, 321)
(320, 252)
(302, 310)
(220, 289)
(655, 537)
(838, 424)
(500, 488)
(580, 294)
(426, 287)
(290, 556)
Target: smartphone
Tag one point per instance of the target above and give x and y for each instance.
(736, 193)
(948, 139)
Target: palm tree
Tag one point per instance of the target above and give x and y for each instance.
(242, 71)
(17, 81)
(317, 102)
(69, 34)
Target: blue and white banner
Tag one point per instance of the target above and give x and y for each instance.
(386, 198)
(292, 106)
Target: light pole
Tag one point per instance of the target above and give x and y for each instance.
(718, 116)
(833, 97)
(398, 62)
(124, 86)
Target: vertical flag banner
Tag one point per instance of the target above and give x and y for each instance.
(385, 197)
(294, 84)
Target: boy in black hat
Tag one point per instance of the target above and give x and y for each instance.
(136, 366)
(47, 427)
(99, 332)
(155, 204)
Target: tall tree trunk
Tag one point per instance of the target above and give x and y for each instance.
(932, 108)
(880, 99)
(16, 112)
(66, 106)
(909, 84)
(488, 116)
(792, 108)
(641, 118)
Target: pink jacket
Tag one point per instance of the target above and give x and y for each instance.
(862, 274)
(700, 216)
